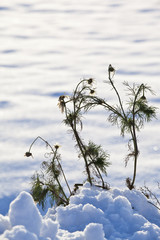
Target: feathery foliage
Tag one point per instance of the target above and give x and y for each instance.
(95, 159)
(129, 118)
(46, 182)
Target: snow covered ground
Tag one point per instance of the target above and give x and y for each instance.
(46, 47)
(91, 214)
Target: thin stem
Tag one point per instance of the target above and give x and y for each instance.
(134, 137)
(81, 146)
(154, 205)
(57, 177)
(62, 172)
(100, 175)
(136, 152)
(119, 99)
(75, 91)
(98, 101)
(50, 189)
(73, 126)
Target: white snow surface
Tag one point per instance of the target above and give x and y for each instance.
(46, 47)
(93, 213)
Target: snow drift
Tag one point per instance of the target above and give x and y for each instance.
(92, 214)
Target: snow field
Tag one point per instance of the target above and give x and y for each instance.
(92, 214)
(46, 47)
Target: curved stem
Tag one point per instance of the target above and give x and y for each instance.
(119, 99)
(100, 175)
(54, 193)
(55, 152)
(73, 126)
(75, 91)
(60, 186)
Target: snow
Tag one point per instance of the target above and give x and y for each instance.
(92, 213)
(46, 47)
(21, 212)
(4, 223)
(18, 233)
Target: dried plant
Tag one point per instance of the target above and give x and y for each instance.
(129, 118)
(47, 182)
(151, 196)
(95, 159)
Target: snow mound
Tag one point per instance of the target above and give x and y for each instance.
(93, 213)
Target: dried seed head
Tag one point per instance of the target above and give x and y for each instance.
(111, 69)
(56, 146)
(28, 154)
(90, 81)
(61, 103)
(61, 98)
(92, 91)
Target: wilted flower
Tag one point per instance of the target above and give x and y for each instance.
(28, 154)
(90, 81)
(61, 103)
(57, 146)
(111, 70)
(92, 91)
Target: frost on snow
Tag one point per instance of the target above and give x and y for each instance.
(92, 214)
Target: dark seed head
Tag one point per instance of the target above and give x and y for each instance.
(143, 98)
(28, 154)
(61, 98)
(90, 81)
(92, 92)
(56, 146)
(110, 68)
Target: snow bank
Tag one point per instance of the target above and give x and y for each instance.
(24, 212)
(92, 214)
